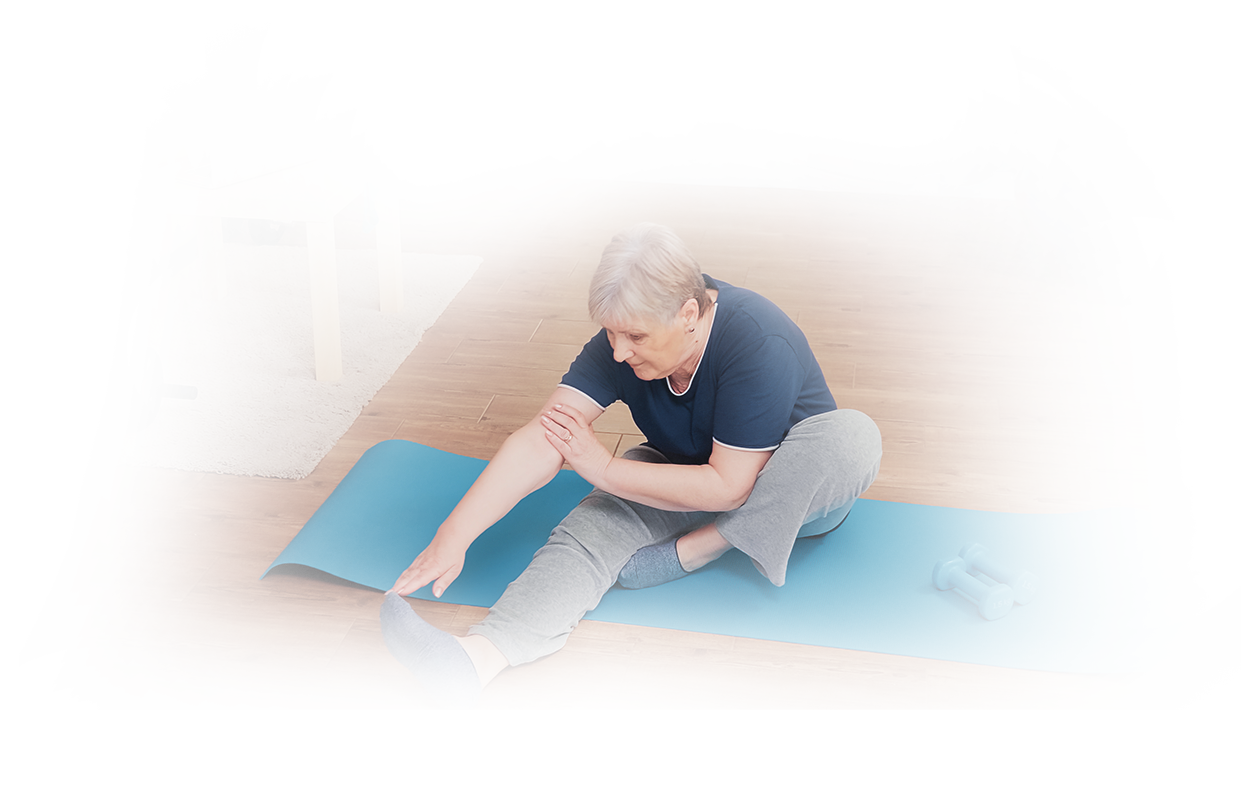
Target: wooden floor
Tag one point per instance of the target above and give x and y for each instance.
(960, 326)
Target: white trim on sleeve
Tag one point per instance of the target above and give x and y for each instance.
(584, 394)
(747, 449)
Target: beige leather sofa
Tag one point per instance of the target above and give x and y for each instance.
(82, 125)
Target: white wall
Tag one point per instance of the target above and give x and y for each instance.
(32, 37)
(1149, 51)
(1138, 49)
(1119, 48)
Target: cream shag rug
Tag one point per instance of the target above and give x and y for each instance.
(251, 355)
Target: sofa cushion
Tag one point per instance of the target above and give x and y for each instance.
(37, 214)
(76, 169)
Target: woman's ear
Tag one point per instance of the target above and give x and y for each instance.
(690, 312)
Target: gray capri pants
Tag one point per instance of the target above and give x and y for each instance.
(825, 463)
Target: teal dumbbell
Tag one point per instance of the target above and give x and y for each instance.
(994, 602)
(1021, 581)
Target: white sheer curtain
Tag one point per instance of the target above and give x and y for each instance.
(692, 91)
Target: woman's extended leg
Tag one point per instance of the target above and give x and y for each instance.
(444, 667)
(570, 574)
(566, 579)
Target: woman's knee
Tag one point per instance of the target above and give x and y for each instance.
(862, 433)
(846, 430)
(602, 531)
(596, 517)
(845, 446)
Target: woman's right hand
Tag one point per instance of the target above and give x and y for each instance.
(437, 563)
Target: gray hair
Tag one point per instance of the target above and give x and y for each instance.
(646, 273)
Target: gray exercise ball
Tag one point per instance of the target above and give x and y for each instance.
(1120, 178)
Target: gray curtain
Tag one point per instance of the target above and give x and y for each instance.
(458, 92)
(902, 100)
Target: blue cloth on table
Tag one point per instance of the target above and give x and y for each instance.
(373, 178)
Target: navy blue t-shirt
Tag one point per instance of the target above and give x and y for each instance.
(757, 378)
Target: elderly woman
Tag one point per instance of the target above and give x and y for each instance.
(745, 449)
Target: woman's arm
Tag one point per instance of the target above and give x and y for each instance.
(720, 485)
(524, 463)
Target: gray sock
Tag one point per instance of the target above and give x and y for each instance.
(652, 566)
(432, 655)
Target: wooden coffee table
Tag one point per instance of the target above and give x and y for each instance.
(310, 193)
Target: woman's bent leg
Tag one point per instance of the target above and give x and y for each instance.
(822, 466)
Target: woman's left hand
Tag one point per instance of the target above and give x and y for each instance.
(571, 435)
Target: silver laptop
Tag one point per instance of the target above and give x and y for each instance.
(257, 124)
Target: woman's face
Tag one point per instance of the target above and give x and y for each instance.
(653, 350)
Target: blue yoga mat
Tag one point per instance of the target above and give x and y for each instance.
(866, 586)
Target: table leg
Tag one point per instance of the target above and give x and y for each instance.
(129, 304)
(389, 245)
(209, 256)
(322, 254)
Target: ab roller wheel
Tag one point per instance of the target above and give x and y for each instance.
(131, 387)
